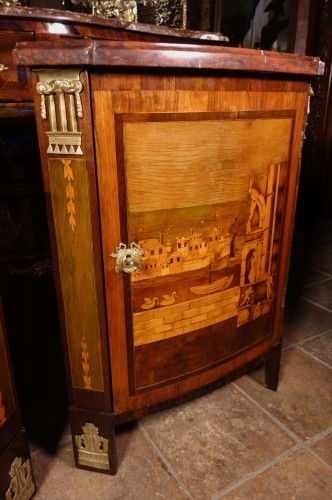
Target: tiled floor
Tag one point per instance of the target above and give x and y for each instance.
(241, 441)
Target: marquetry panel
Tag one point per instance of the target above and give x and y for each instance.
(174, 160)
(205, 214)
(72, 218)
(205, 172)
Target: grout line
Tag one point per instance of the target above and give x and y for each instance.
(326, 276)
(304, 444)
(169, 468)
(315, 439)
(300, 445)
(301, 342)
(287, 347)
(307, 443)
(302, 349)
(314, 283)
(258, 471)
(269, 465)
(316, 304)
(269, 415)
(321, 460)
(319, 436)
(313, 268)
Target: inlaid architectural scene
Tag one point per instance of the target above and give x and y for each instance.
(210, 276)
(185, 253)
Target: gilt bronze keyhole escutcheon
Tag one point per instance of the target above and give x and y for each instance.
(128, 259)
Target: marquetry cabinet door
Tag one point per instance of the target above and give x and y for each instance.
(197, 182)
(16, 480)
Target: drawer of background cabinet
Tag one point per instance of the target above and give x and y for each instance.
(12, 80)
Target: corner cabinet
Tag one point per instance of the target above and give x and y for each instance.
(170, 174)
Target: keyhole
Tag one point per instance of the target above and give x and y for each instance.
(129, 261)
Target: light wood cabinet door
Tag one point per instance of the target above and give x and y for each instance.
(197, 182)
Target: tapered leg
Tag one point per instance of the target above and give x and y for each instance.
(272, 369)
(94, 445)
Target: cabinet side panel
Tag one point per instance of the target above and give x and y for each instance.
(74, 241)
(64, 124)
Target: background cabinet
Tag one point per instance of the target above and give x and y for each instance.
(15, 467)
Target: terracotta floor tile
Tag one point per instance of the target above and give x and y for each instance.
(304, 321)
(323, 448)
(320, 294)
(300, 477)
(141, 475)
(321, 347)
(212, 442)
(303, 401)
